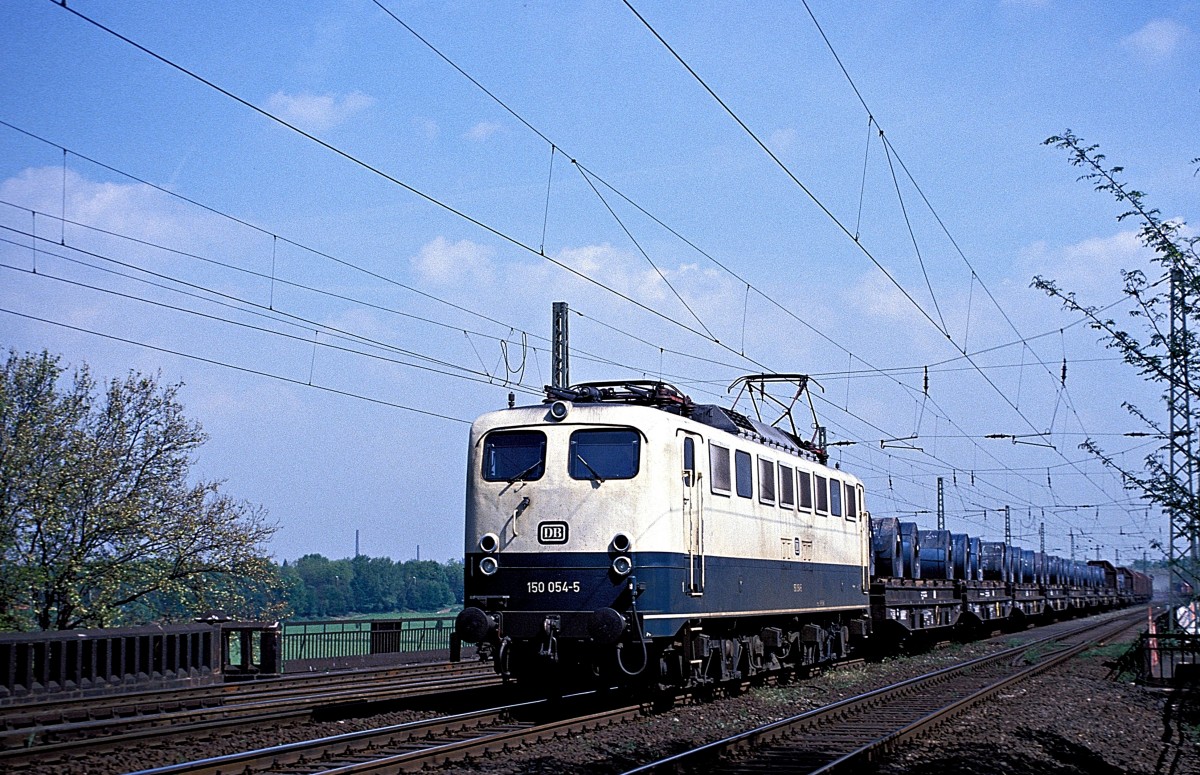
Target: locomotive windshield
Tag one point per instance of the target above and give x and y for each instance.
(509, 456)
(604, 454)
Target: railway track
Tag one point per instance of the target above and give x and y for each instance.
(410, 747)
(848, 735)
(41, 711)
(45, 730)
(413, 746)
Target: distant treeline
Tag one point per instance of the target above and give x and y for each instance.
(317, 587)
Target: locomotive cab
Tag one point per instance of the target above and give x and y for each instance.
(557, 507)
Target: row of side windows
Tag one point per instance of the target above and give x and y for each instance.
(780, 484)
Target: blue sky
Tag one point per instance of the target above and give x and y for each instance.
(307, 266)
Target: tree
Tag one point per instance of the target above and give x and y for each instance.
(455, 579)
(294, 590)
(427, 587)
(1162, 353)
(98, 520)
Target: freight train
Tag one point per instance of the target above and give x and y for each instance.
(619, 532)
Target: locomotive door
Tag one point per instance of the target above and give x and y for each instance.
(866, 560)
(693, 513)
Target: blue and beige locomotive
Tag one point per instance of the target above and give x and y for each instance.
(621, 531)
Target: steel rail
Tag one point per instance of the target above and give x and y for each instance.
(927, 723)
(42, 710)
(393, 749)
(703, 758)
(117, 733)
(405, 747)
(494, 741)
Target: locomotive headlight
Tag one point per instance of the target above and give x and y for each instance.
(489, 543)
(488, 566)
(622, 565)
(621, 543)
(558, 410)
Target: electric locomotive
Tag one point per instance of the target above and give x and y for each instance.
(618, 531)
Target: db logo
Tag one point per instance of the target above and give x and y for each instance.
(552, 532)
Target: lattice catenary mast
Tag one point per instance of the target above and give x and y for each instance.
(1182, 551)
(560, 346)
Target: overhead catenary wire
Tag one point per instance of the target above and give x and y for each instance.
(261, 310)
(583, 168)
(941, 223)
(235, 367)
(35, 216)
(275, 237)
(824, 209)
(787, 171)
(248, 224)
(474, 376)
(305, 323)
(545, 138)
(494, 231)
(225, 265)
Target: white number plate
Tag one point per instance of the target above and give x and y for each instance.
(537, 587)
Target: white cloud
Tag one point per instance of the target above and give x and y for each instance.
(317, 112)
(445, 263)
(1092, 267)
(482, 131)
(878, 297)
(1158, 39)
(127, 208)
(617, 269)
(427, 128)
(519, 287)
(783, 139)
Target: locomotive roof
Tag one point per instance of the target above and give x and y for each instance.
(670, 399)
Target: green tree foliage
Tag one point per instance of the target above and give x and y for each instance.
(99, 525)
(317, 587)
(1145, 341)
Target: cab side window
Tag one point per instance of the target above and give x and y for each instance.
(822, 494)
(787, 487)
(718, 463)
(744, 467)
(804, 479)
(766, 481)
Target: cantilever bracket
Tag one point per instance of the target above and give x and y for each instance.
(1019, 438)
(898, 443)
